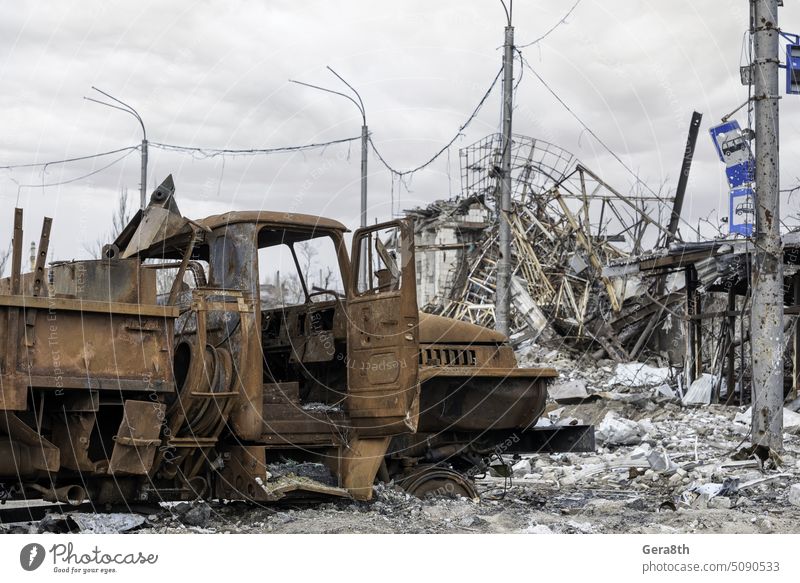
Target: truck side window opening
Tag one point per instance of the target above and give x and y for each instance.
(195, 276)
(379, 262)
(293, 271)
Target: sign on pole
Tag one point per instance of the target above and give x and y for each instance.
(733, 150)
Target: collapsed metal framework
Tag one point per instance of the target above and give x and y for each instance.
(567, 223)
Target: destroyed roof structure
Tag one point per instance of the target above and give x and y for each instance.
(718, 291)
(567, 223)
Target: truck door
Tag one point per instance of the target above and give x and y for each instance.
(382, 331)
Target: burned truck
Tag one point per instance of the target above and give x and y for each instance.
(178, 366)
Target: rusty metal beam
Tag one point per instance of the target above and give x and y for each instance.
(41, 257)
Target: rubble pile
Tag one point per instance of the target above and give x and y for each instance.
(659, 447)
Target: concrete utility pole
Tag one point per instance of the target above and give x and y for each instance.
(143, 186)
(503, 284)
(767, 280)
(364, 133)
(364, 139)
(362, 267)
(128, 109)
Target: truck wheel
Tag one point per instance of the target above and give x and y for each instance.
(425, 481)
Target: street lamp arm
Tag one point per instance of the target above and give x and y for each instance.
(354, 102)
(107, 104)
(128, 109)
(363, 109)
(125, 107)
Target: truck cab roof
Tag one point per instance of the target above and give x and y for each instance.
(286, 220)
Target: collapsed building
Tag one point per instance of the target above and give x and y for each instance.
(567, 224)
(595, 271)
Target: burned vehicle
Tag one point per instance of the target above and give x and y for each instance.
(198, 359)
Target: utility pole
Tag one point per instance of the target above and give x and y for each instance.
(503, 284)
(767, 278)
(143, 186)
(364, 133)
(362, 267)
(128, 109)
(364, 139)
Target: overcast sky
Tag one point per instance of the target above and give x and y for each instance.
(215, 74)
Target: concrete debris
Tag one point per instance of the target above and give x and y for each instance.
(791, 420)
(664, 390)
(794, 494)
(111, 523)
(193, 514)
(637, 374)
(521, 468)
(763, 481)
(679, 477)
(615, 430)
(720, 502)
(660, 461)
(568, 391)
(538, 529)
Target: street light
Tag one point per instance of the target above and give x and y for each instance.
(364, 134)
(128, 109)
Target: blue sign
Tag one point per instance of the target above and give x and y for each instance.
(793, 69)
(734, 150)
(723, 130)
(742, 211)
(740, 174)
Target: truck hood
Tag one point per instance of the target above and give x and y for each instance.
(438, 329)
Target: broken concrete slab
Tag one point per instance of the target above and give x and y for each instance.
(616, 430)
(664, 390)
(568, 391)
(660, 461)
(521, 468)
(638, 374)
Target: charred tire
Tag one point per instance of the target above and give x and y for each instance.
(427, 481)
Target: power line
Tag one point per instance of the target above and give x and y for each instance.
(555, 26)
(213, 152)
(600, 141)
(76, 179)
(67, 160)
(402, 173)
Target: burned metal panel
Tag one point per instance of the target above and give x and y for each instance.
(121, 280)
(72, 348)
(383, 328)
(71, 433)
(481, 402)
(137, 439)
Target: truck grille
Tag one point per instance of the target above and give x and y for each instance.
(447, 357)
